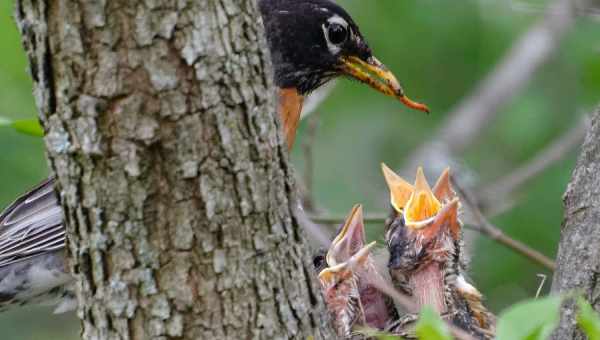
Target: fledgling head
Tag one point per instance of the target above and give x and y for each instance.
(339, 284)
(426, 227)
(378, 310)
(349, 239)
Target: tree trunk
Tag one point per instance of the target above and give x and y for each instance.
(578, 260)
(174, 179)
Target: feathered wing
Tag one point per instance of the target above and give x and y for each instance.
(32, 260)
(32, 225)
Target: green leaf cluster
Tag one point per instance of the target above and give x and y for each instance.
(588, 320)
(527, 320)
(431, 326)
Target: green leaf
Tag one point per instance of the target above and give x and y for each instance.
(588, 319)
(529, 320)
(431, 326)
(30, 127)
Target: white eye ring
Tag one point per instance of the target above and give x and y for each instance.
(335, 20)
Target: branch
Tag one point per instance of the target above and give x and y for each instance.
(316, 232)
(339, 219)
(523, 60)
(542, 160)
(484, 226)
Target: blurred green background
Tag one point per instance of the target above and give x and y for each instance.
(439, 50)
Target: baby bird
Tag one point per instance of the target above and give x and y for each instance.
(348, 253)
(424, 238)
(339, 284)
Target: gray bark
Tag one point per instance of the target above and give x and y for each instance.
(578, 260)
(173, 176)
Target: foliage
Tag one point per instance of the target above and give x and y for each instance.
(588, 319)
(529, 320)
(26, 126)
(431, 327)
(532, 319)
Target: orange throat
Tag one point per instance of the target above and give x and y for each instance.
(428, 288)
(290, 108)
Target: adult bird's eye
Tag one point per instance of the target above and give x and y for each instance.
(337, 34)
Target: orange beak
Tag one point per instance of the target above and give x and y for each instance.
(443, 188)
(377, 75)
(371, 72)
(447, 218)
(400, 190)
(349, 240)
(344, 270)
(329, 275)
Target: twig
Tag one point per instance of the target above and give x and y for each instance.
(488, 230)
(525, 57)
(485, 227)
(334, 220)
(315, 231)
(581, 8)
(539, 290)
(338, 219)
(542, 160)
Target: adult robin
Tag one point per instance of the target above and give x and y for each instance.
(310, 41)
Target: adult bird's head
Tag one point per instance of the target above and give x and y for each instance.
(312, 42)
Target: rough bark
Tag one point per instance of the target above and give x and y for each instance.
(578, 260)
(160, 127)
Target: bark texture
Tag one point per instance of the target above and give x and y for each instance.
(578, 260)
(160, 127)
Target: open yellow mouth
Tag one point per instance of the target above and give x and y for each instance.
(377, 75)
(422, 205)
(419, 204)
